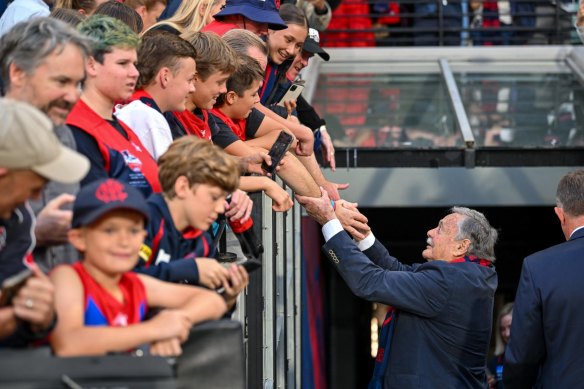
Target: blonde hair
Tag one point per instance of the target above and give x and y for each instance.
(200, 162)
(188, 17)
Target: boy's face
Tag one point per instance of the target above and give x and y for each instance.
(180, 85)
(204, 204)
(243, 105)
(116, 78)
(206, 92)
(112, 243)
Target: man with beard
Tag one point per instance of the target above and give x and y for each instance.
(42, 62)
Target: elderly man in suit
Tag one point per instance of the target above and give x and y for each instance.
(438, 328)
(545, 349)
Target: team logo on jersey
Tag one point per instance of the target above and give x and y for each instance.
(2, 237)
(121, 320)
(132, 162)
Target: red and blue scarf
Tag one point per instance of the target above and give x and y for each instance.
(387, 328)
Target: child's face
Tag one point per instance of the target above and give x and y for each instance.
(206, 92)
(284, 44)
(111, 244)
(204, 204)
(180, 84)
(116, 78)
(243, 105)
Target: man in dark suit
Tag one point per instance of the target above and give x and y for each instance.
(441, 315)
(547, 334)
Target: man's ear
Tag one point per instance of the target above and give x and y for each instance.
(560, 214)
(16, 75)
(230, 97)
(77, 238)
(461, 248)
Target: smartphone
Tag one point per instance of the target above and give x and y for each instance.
(291, 94)
(279, 148)
(12, 285)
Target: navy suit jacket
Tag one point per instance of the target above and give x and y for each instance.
(546, 348)
(445, 310)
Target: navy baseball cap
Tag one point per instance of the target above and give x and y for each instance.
(260, 11)
(103, 196)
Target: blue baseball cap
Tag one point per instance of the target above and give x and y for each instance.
(100, 197)
(259, 11)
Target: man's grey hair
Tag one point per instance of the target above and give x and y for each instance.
(476, 228)
(28, 43)
(570, 193)
(241, 40)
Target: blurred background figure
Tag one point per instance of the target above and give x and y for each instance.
(502, 334)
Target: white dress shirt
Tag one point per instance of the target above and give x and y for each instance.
(333, 227)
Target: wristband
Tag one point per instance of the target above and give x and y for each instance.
(333, 205)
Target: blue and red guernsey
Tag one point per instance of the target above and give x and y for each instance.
(102, 309)
(125, 159)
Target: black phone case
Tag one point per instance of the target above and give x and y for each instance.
(279, 148)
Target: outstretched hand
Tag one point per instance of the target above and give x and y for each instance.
(319, 208)
(353, 221)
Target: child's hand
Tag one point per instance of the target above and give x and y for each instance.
(240, 206)
(281, 201)
(166, 348)
(212, 274)
(238, 280)
(172, 323)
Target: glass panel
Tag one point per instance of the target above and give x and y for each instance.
(387, 110)
(523, 109)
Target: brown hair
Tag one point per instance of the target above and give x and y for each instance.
(161, 49)
(213, 54)
(200, 162)
(121, 12)
(68, 15)
(248, 70)
(86, 5)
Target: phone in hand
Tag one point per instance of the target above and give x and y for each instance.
(279, 148)
(291, 94)
(12, 285)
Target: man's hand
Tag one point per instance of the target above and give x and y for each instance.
(253, 163)
(333, 188)
(305, 143)
(53, 223)
(8, 322)
(319, 208)
(328, 149)
(212, 274)
(290, 106)
(34, 302)
(353, 221)
(281, 201)
(240, 207)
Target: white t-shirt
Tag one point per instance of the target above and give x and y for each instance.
(21, 10)
(148, 124)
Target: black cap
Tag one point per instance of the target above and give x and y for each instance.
(100, 197)
(311, 44)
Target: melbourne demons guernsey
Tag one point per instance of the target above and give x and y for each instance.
(102, 309)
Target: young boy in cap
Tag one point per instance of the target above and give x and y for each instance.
(196, 177)
(100, 303)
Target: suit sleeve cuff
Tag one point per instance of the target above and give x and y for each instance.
(367, 242)
(331, 228)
